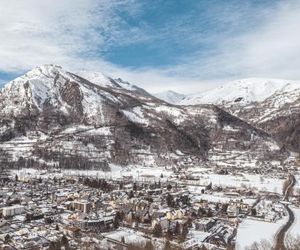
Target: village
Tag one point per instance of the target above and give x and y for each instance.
(48, 210)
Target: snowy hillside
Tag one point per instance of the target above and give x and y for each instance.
(242, 92)
(272, 105)
(54, 117)
(170, 96)
(278, 114)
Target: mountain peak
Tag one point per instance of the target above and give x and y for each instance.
(46, 69)
(37, 87)
(43, 74)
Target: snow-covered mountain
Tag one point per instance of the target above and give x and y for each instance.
(242, 92)
(269, 104)
(170, 96)
(51, 116)
(279, 114)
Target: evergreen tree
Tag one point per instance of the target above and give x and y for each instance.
(169, 234)
(209, 186)
(149, 245)
(54, 245)
(117, 220)
(177, 229)
(157, 230)
(167, 245)
(170, 201)
(65, 242)
(123, 239)
(7, 239)
(185, 230)
(253, 212)
(203, 248)
(130, 195)
(134, 186)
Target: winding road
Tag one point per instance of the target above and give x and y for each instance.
(281, 234)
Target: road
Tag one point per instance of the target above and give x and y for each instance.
(281, 234)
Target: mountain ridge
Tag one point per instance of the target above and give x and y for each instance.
(51, 116)
(243, 91)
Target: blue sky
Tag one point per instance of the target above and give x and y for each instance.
(179, 29)
(183, 45)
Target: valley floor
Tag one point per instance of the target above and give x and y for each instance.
(140, 206)
(251, 231)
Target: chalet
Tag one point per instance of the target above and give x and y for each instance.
(175, 214)
(233, 210)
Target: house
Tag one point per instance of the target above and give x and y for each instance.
(164, 222)
(96, 223)
(82, 205)
(236, 207)
(204, 224)
(279, 208)
(147, 178)
(59, 197)
(233, 210)
(175, 214)
(271, 216)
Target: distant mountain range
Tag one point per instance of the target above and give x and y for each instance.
(269, 104)
(240, 92)
(170, 96)
(50, 116)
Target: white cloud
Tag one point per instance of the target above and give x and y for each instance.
(70, 32)
(35, 32)
(271, 49)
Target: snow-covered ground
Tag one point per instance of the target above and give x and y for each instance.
(295, 229)
(250, 231)
(137, 172)
(297, 184)
(245, 180)
(217, 197)
(196, 237)
(130, 236)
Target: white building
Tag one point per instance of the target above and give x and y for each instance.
(82, 205)
(13, 210)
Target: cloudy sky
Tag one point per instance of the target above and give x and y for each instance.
(183, 45)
